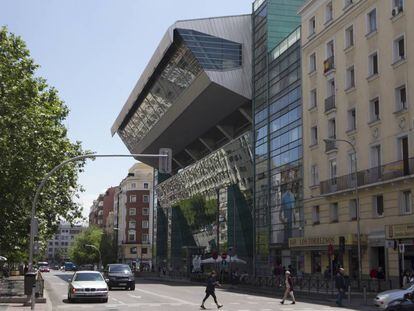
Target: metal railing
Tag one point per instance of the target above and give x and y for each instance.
(381, 173)
(330, 145)
(329, 64)
(330, 103)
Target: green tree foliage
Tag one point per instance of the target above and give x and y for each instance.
(198, 211)
(81, 254)
(108, 248)
(33, 139)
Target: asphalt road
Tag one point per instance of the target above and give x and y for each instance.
(159, 296)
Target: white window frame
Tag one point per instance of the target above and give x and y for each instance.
(313, 98)
(333, 169)
(132, 198)
(332, 128)
(316, 217)
(404, 204)
(368, 21)
(353, 211)
(352, 120)
(314, 135)
(132, 211)
(395, 48)
(145, 198)
(400, 105)
(329, 14)
(145, 211)
(375, 205)
(329, 91)
(351, 166)
(145, 224)
(373, 117)
(133, 185)
(371, 72)
(330, 52)
(145, 238)
(350, 78)
(333, 212)
(134, 233)
(312, 62)
(312, 26)
(132, 224)
(374, 156)
(314, 174)
(349, 38)
(146, 185)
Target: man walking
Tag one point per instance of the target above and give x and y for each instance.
(210, 290)
(340, 286)
(289, 288)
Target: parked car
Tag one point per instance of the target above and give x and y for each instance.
(120, 275)
(383, 299)
(87, 285)
(69, 266)
(43, 266)
(405, 304)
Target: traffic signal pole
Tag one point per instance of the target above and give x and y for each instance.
(165, 154)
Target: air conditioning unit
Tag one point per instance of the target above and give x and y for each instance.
(396, 10)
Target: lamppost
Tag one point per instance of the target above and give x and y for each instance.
(328, 140)
(100, 257)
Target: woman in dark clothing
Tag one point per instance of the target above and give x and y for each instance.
(210, 290)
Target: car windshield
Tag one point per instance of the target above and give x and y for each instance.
(81, 277)
(409, 286)
(119, 269)
(43, 264)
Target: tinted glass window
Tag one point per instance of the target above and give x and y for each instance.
(81, 277)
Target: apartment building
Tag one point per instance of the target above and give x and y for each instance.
(357, 77)
(102, 211)
(57, 247)
(133, 204)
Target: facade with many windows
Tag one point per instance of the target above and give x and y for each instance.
(357, 67)
(63, 239)
(277, 107)
(133, 210)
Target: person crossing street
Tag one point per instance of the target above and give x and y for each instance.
(289, 288)
(210, 290)
(340, 286)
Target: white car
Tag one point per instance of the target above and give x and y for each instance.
(383, 299)
(88, 285)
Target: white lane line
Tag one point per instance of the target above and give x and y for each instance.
(167, 297)
(134, 296)
(118, 301)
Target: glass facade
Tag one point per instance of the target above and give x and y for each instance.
(191, 53)
(277, 109)
(208, 206)
(213, 53)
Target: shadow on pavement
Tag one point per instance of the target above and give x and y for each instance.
(64, 277)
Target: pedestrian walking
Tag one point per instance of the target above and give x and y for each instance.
(289, 288)
(210, 290)
(340, 286)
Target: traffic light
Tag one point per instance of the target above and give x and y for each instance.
(165, 163)
(342, 244)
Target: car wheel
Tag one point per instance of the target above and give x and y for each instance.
(105, 300)
(132, 287)
(109, 288)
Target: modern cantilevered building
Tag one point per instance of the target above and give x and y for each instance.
(194, 97)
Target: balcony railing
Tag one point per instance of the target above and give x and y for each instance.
(373, 175)
(330, 103)
(329, 64)
(330, 145)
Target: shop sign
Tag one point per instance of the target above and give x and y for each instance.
(313, 241)
(400, 231)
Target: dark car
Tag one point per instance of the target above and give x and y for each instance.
(69, 266)
(404, 304)
(120, 275)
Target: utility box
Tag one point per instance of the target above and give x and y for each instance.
(29, 282)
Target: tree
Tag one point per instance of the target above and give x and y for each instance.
(33, 139)
(108, 249)
(81, 254)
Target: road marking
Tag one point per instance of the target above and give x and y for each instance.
(134, 296)
(118, 301)
(168, 297)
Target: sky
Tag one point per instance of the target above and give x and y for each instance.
(93, 52)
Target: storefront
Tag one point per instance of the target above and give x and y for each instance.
(401, 238)
(328, 253)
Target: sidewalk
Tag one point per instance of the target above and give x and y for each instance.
(325, 298)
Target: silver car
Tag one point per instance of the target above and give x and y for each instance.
(88, 285)
(383, 299)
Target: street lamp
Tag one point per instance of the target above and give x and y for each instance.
(329, 140)
(100, 257)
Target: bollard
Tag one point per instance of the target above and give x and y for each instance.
(33, 296)
(349, 294)
(365, 294)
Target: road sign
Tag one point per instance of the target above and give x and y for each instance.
(401, 247)
(165, 163)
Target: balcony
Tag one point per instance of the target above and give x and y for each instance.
(329, 64)
(382, 173)
(330, 145)
(329, 103)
